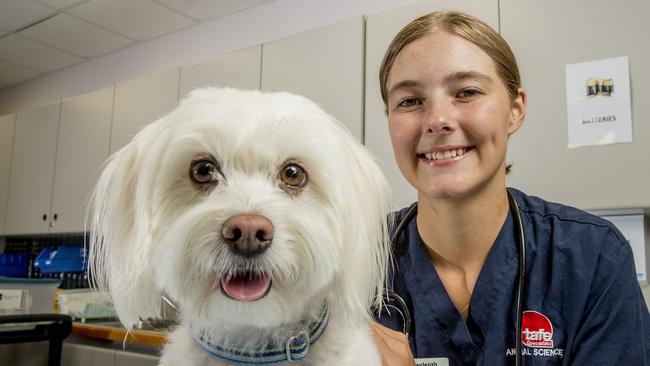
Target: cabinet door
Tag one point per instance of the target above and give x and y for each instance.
(380, 30)
(32, 170)
(239, 69)
(141, 101)
(135, 359)
(84, 130)
(74, 354)
(7, 124)
(324, 65)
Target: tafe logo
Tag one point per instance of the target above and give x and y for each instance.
(537, 330)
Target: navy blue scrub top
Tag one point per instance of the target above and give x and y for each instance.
(582, 301)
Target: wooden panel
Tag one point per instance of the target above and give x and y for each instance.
(110, 333)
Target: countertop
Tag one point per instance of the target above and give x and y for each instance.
(113, 331)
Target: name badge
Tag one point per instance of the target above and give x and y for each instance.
(438, 361)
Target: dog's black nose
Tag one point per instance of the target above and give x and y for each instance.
(248, 234)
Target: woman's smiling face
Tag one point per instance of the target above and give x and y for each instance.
(450, 116)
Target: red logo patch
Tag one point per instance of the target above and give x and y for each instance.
(536, 330)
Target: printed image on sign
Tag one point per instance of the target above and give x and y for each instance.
(598, 102)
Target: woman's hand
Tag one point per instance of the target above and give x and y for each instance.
(393, 346)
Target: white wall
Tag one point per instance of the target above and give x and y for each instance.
(546, 36)
(269, 22)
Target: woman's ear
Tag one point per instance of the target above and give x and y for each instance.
(518, 111)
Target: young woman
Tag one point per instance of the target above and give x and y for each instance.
(453, 97)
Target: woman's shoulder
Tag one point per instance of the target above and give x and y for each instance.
(556, 211)
(569, 226)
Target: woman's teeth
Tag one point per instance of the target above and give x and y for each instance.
(445, 155)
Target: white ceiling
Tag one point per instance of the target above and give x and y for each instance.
(41, 36)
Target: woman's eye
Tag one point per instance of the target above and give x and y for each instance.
(292, 176)
(408, 102)
(203, 171)
(468, 93)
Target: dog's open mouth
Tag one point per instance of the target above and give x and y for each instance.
(246, 286)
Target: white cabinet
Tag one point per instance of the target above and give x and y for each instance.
(58, 150)
(81, 355)
(78, 351)
(82, 148)
(135, 359)
(325, 65)
(141, 101)
(32, 170)
(546, 36)
(380, 30)
(239, 69)
(7, 124)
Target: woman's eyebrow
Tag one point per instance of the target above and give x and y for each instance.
(451, 78)
(404, 84)
(464, 75)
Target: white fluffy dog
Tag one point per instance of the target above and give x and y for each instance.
(260, 217)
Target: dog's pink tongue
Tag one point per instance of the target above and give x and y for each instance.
(244, 287)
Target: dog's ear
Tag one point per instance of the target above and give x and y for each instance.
(120, 219)
(366, 253)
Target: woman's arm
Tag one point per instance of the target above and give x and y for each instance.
(393, 346)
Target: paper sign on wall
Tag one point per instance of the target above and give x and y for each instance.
(598, 102)
(11, 299)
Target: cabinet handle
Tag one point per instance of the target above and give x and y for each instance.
(56, 216)
(44, 217)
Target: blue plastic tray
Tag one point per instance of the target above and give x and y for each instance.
(61, 259)
(14, 264)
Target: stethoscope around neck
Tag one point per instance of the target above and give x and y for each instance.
(397, 303)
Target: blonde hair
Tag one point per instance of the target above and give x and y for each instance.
(463, 25)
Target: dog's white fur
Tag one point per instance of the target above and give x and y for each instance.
(154, 232)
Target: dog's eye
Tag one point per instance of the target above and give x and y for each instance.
(293, 176)
(203, 171)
